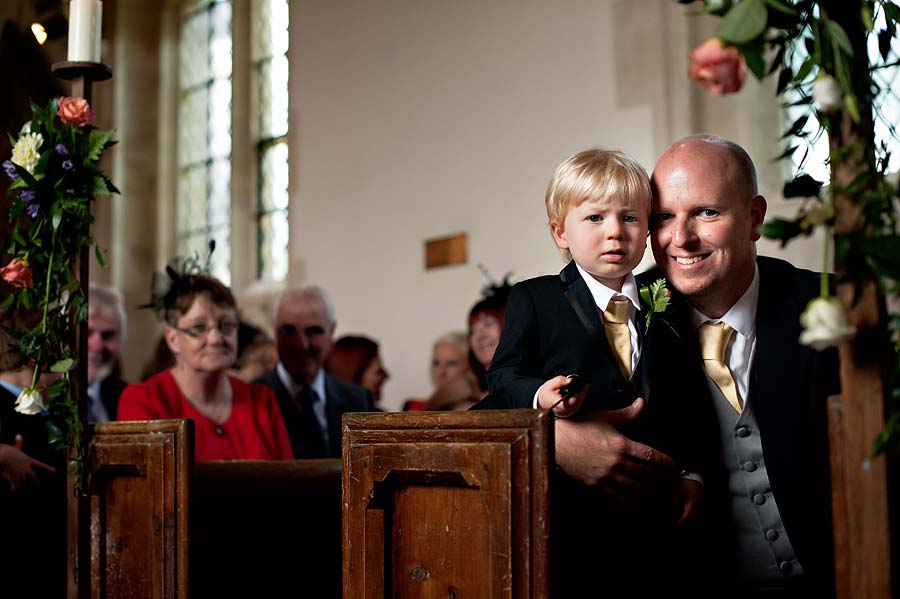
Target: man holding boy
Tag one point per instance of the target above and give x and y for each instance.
(586, 327)
(766, 519)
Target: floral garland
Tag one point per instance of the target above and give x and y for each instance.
(807, 44)
(54, 177)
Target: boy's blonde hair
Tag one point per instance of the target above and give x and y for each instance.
(592, 174)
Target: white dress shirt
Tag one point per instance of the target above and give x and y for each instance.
(741, 350)
(602, 296)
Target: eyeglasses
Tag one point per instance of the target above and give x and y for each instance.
(225, 327)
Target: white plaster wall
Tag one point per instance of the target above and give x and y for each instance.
(414, 120)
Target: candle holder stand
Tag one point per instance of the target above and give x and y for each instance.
(78, 536)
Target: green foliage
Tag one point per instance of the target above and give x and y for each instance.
(50, 220)
(781, 31)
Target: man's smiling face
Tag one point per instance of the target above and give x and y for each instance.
(705, 222)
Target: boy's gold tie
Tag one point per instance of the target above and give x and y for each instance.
(615, 322)
(714, 339)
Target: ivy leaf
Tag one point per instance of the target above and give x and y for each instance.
(99, 187)
(99, 255)
(884, 43)
(803, 186)
(753, 56)
(56, 215)
(796, 127)
(891, 11)
(789, 152)
(745, 22)
(839, 37)
(64, 365)
(782, 230)
(784, 77)
(781, 7)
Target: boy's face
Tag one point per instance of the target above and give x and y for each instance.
(606, 237)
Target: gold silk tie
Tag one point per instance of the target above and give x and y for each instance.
(714, 339)
(615, 322)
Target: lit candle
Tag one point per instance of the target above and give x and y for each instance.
(85, 19)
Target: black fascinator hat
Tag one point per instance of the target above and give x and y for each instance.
(185, 276)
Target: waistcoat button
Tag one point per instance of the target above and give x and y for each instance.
(786, 567)
(759, 499)
(772, 534)
(743, 432)
(749, 466)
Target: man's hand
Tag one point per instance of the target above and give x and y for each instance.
(17, 468)
(688, 497)
(592, 450)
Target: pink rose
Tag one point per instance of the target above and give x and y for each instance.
(718, 68)
(75, 111)
(17, 273)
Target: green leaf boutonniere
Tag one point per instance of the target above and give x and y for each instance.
(657, 299)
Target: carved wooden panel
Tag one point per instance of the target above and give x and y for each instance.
(139, 481)
(446, 504)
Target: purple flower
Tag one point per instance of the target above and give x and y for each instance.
(27, 196)
(10, 169)
(67, 165)
(33, 209)
(61, 150)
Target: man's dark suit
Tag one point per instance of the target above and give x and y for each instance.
(110, 389)
(340, 397)
(33, 520)
(789, 387)
(553, 327)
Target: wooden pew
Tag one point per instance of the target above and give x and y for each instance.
(434, 503)
(446, 505)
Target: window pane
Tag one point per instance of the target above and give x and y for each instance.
(273, 97)
(273, 246)
(204, 133)
(273, 178)
(270, 29)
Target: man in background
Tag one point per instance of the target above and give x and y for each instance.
(106, 328)
(312, 401)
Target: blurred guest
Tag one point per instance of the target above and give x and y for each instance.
(449, 360)
(311, 400)
(106, 328)
(233, 420)
(355, 359)
(256, 353)
(485, 324)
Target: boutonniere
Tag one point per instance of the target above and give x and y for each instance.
(657, 298)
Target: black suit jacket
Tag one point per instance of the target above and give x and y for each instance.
(789, 387)
(552, 327)
(110, 389)
(33, 519)
(340, 397)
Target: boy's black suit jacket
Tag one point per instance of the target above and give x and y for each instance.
(553, 327)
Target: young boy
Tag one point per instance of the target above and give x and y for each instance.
(577, 342)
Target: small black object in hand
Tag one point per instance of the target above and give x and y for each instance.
(576, 384)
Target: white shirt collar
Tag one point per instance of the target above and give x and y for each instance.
(741, 316)
(318, 384)
(602, 294)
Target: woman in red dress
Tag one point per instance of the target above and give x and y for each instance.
(233, 420)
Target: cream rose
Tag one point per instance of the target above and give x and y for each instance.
(825, 323)
(30, 402)
(27, 151)
(827, 94)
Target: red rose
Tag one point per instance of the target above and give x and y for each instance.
(75, 111)
(718, 68)
(17, 273)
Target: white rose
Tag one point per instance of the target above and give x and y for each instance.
(30, 402)
(27, 151)
(827, 94)
(824, 323)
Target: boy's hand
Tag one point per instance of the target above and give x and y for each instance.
(554, 395)
(688, 497)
